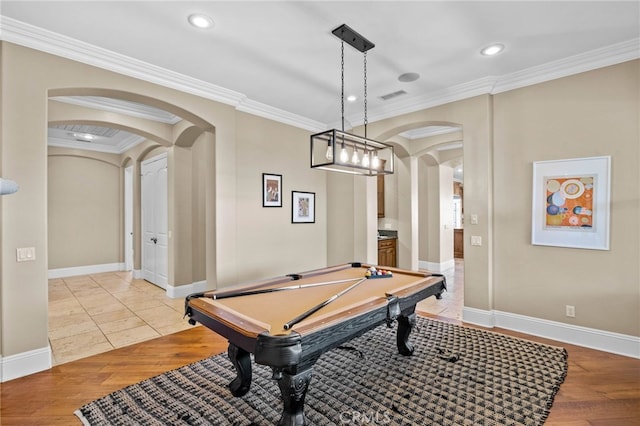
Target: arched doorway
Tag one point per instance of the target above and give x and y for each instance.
(180, 141)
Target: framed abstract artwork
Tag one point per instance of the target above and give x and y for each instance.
(271, 190)
(571, 203)
(303, 207)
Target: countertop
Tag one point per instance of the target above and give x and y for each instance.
(387, 234)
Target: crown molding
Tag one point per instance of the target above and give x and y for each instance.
(266, 111)
(459, 92)
(576, 64)
(27, 35)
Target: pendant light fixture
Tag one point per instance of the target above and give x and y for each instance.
(357, 155)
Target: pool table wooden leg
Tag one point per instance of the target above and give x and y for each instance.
(293, 388)
(241, 360)
(405, 325)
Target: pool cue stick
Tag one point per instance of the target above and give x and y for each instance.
(271, 290)
(319, 306)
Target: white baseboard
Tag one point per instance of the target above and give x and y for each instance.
(437, 267)
(478, 317)
(85, 270)
(601, 340)
(137, 274)
(25, 363)
(181, 291)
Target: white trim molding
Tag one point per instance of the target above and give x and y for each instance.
(181, 291)
(85, 270)
(28, 35)
(601, 340)
(437, 267)
(25, 363)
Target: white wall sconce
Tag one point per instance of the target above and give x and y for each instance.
(8, 186)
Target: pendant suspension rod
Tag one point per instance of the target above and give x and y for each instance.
(365, 95)
(342, 80)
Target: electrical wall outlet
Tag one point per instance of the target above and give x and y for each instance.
(570, 311)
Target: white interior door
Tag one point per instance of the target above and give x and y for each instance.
(155, 253)
(128, 218)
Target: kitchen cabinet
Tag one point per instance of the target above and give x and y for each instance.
(387, 253)
(458, 243)
(380, 196)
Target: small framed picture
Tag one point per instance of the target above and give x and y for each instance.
(303, 207)
(271, 190)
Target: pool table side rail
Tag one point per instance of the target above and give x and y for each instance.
(327, 270)
(227, 323)
(254, 285)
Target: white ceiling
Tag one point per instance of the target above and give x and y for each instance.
(279, 59)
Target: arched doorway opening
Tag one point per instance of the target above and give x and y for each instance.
(97, 126)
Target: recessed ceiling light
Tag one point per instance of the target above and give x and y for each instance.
(199, 20)
(352, 98)
(84, 136)
(492, 49)
(408, 77)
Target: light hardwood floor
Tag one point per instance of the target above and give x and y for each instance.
(600, 388)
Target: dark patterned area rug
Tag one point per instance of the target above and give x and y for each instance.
(457, 376)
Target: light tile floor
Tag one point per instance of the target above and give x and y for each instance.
(91, 314)
(452, 302)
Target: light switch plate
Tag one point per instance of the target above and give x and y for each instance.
(474, 219)
(25, 254)
(476, 240)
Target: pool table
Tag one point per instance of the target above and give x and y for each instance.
(289, 322)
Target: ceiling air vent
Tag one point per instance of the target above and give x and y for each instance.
(392, 95)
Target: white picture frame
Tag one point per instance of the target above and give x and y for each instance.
(571, 203)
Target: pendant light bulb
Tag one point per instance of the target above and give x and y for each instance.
(329, 153)
(354, 158)
(344, 155)
(365, 159)
(375, 163)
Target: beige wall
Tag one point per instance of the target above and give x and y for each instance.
(268, 244)
(435, 193)
(242, 240)
(84, 212)
(474, 115)
(390, 219)
(590, 114)
(340, 218)
(594, 113)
